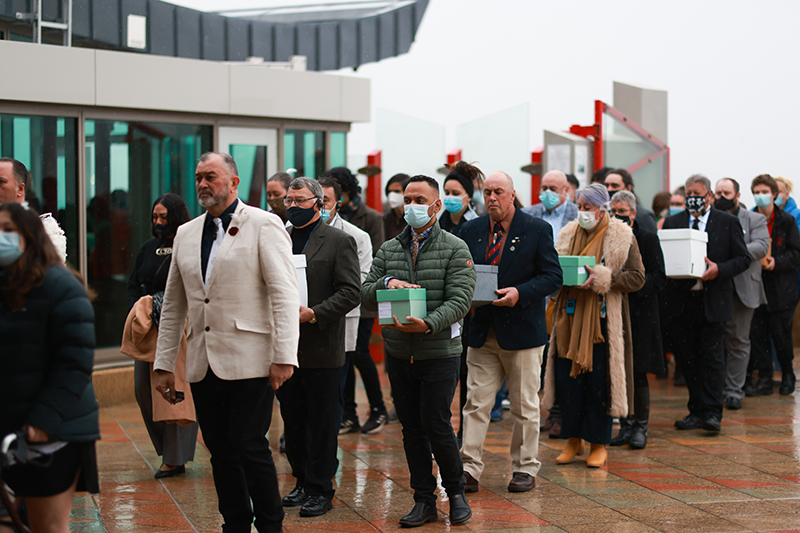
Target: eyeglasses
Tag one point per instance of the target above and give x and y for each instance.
(297, 201)
(622, 212)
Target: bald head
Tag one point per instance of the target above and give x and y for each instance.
(498, 195)
(556, 182)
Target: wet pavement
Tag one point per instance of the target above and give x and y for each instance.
(747, 478)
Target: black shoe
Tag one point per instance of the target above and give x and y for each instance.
(349, 425)
(638, 434)
(625, 430)
(689, 422)
(162, 474)
(713, 424)
(422, 513)
(459, 510)
(375, 422)
(470, 483)
(316, 505)
(787, 384)
(295, 498)
(732, 403)
(762, 388)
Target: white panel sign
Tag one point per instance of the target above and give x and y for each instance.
(558, 158)
(137, 31)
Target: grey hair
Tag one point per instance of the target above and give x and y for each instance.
(596, 194)
(699, 178)
(227, 160)
(312, 184)
(625, 196)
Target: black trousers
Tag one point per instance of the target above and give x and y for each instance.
(234, 417)
(362, 360)
(775, 326)
(310, 410)
(584, 399)
(699, 350)
(423, 392)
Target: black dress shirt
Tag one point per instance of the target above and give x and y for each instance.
(210, 233)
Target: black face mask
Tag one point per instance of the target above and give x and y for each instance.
(625, 218)
(299, 217)
(723, 204)
(695, 204)
(164, 231)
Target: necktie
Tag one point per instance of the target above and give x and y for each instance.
(493, 257)
(416, 243)
(214, 248)
(696, 224)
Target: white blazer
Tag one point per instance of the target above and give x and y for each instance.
(248, 316)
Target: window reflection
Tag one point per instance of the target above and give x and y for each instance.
(305, 152)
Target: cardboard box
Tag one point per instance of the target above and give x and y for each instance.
(401, 303)
(485, 285)
(574, 268)
(684, 252)
(302, 283)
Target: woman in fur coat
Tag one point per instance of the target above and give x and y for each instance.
(590, 355)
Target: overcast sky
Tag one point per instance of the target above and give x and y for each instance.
(730, 68)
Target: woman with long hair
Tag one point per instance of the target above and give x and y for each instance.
(173, 442)
(47, 341)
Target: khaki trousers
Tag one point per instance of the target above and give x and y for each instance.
(487, 367)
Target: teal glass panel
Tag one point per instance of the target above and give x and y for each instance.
(306, 150)
(309, 153)
(252, 163)
(338, 149)
(288, 151)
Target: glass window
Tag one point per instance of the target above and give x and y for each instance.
(251, 161)
(304, 151)
(128, 166)
(48, 147)
(338, 149)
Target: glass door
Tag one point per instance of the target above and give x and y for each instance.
(255, 151)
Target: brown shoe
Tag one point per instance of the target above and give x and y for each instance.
(470, 483)
(598, 456)
(521, 482)
(555, 430)
(574, 447)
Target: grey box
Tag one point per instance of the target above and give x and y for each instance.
(485, 285)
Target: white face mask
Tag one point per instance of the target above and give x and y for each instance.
(394, 199)
(586, 220)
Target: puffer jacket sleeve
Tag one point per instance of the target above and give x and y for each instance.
(374, 281)
(71, 341)
(459, 287)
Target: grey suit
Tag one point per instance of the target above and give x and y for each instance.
(646, 219)
(749, 294)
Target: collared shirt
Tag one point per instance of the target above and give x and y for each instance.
(425, 235)
(210, 233)
(506, 225)
(556, 218)
(702, 220)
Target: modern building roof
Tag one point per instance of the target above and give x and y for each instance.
(331, 36)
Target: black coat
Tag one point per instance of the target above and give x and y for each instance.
(149, 274)
(780, 284)
(46, 356)
(648, 354)
(726, 248)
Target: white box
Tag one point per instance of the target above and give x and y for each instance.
(302, 283)
(684, 252)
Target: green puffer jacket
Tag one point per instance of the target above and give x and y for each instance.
(445, 270)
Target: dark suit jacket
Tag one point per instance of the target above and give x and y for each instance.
(726, 248)
(648, 353)
(529, 263)
(646, 219)
(780, 283)
(334, 285)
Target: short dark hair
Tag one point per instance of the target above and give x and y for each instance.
(284, 177)
(427, 179)
(227, 160)
(397, 178)
(177, 212)
(329, 182)
(627, 179)
(572, 180)
(20, 171)
(735, 184)
(599, 175)
(345, 178)
(765, 179)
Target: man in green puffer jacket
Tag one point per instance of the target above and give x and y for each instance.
(423, 356)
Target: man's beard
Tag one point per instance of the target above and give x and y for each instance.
(214, 199)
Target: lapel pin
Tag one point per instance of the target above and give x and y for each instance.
(233, 231)
(512, 248)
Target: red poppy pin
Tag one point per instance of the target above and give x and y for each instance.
(233, 231)
(469, 263)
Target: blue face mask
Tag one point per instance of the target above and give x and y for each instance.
(9, 248)
(779, 201)
(453, 203)
(675, 210)
(325, 214)
(417, 215)
(549, 199)
(762, 200)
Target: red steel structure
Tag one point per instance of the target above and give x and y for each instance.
(374, 186)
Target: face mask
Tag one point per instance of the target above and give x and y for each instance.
(394, 199)
(779, 201)
(477, 197)
(625, 218)
(9, 248)
(723, 204)
(325, 214)
(675, 210)
(763, 200)
(277, 206)
(164, 231)
(695, 204)
(453, 203)
(417, 215)
(586, 220)
(299, 217)
(549, 199)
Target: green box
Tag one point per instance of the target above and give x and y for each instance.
(401, 303)
(574, 268)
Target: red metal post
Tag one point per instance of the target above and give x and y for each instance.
(599, 155)
(536, 178)
(374, 186)
(454, 156)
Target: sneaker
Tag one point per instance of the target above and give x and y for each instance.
(497, 414)
(375, 422)
(349, 425)
(391, 417)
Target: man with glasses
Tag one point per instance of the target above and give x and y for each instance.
(619, 179)
(309, 399)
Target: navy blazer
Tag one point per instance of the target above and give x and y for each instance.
(726, 247)
(529, 263)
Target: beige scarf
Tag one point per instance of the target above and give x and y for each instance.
(577, 333)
